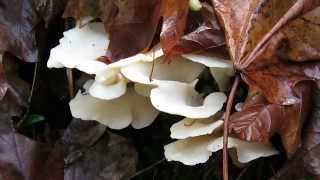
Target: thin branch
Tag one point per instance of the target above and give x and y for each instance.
(225, 126)
(152, 68)
(147, 169)
(70, 82)
(34, 80)
(33, 87)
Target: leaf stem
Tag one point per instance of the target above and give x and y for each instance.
(226, 124)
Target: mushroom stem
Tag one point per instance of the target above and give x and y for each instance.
(225, 126)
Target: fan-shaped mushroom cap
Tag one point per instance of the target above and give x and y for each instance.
(246, 151)
(190, 151)
(119, 113)
(195, 127)
(182, 99)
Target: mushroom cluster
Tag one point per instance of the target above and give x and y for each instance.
(132, 91)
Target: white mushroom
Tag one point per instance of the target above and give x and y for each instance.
(221, 69)
(108, 91)
(195, 150)
(80, 48)
(190, 151)
(180, 69)
(119, 113)
(195, 127)
(143, 89)
(222, 77)
(209, 61)
(182, 99)
(246, 151)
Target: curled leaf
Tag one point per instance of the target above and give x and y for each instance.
(259, 120)
(133, 28)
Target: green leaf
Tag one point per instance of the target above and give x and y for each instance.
(33, 119)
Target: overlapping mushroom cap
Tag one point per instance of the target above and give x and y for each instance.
(170, 87)
(199, 138)
(153, 87)
(118, 113)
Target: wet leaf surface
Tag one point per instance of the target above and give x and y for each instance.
(174, 14)
(133, 28)
(207, 36)
(259, 38)
(307, 158)
(94, 153)
(81, 9)
(259, 120)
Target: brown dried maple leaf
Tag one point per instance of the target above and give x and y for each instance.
(266, 39)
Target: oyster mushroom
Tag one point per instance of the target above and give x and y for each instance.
(220, 68)
(118, 113)
(199, 138)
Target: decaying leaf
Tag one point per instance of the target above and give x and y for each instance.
(133, 28)
(259, 120)
(20, 157)
(132, 32)
(207, 36)
(307, 158)
(18, 24)
(82, 9)
(174, 15)
(28, 159)
(93, 153)
(259, 36)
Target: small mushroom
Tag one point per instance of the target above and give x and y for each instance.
(118, 113)
(182, 99)
(195, 150)
(108, 91)
(223, 77)
(190, 151)
(220, 68)
(246, 151)
(195, 127)
(180, 69)
(80, 48)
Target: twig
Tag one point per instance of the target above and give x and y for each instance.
(152, 68)
(243, 172)
(225, 127)
(147, 168)
(70, 82)
(33, 86)
(34, 80)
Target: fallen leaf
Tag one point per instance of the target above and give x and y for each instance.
(20, 157)
(48, 10)
(94, 153)
(133, 28)
(259, 120)
(259, 36)
(174, 15)
(18, 22)
(307, 158)
(28, 159)
(81, 9)
(15, 97)
(207, 36)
